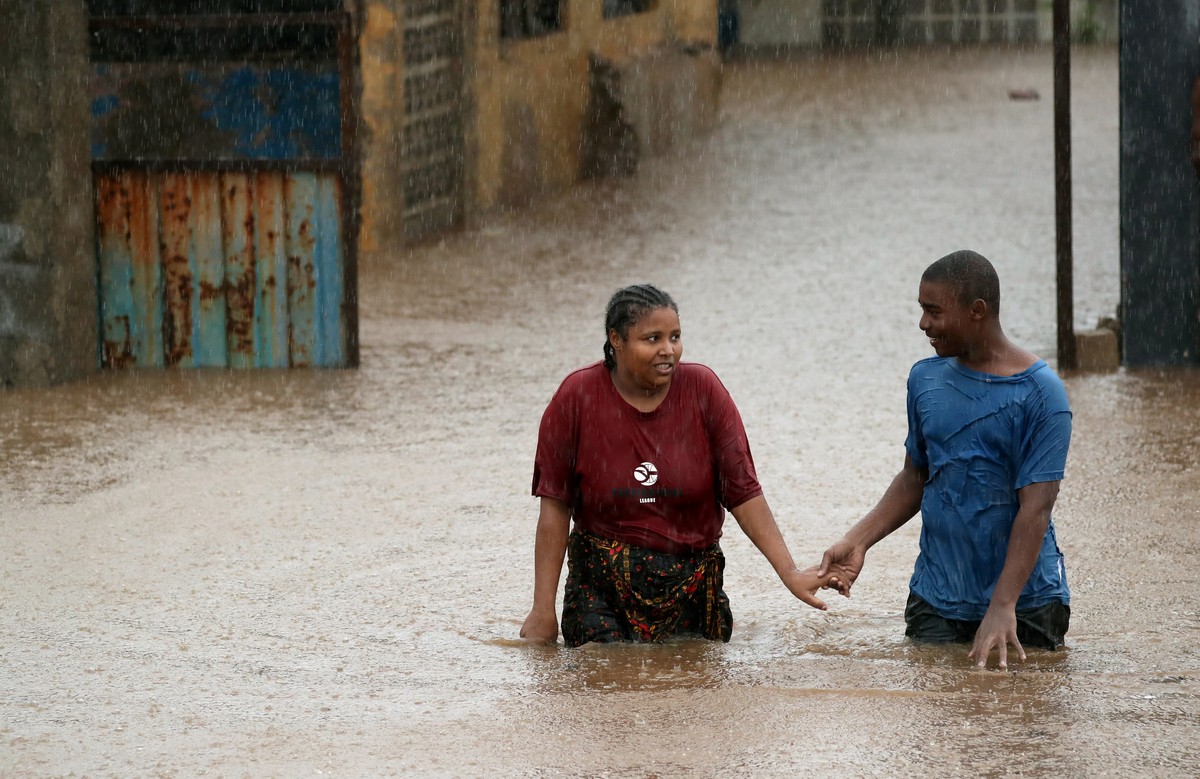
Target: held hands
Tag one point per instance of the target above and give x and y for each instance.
(540, 627)
(839, 567)
(998, 629)
(804, 584)
(846, 561)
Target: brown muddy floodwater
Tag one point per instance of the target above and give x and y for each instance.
(314, 573)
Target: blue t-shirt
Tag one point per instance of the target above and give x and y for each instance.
(982, 438)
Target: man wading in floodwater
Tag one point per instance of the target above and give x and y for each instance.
(988, 432)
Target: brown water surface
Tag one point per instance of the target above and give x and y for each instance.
(325, 572)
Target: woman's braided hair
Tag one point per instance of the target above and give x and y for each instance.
(626, 307)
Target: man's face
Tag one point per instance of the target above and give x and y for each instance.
(944, 318)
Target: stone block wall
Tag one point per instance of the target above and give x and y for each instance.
(48, 304)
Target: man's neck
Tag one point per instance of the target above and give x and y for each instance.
(993, 353)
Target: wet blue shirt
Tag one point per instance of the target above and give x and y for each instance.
(982, 438)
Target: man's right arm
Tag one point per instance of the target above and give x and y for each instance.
(900, 503)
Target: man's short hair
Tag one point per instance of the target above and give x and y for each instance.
(971, 275)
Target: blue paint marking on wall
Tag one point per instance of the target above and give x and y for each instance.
(308, 115)
(220, 112)
(102, 106)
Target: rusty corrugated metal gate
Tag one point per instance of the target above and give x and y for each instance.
(225, 182)
(433, 116)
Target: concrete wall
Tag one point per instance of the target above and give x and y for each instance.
(797, 23)
(527, 100)
(531, 97)
(1160, 199)
(381, 31)
(766, 23)
(48, 303)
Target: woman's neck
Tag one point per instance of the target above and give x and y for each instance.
(639, 397)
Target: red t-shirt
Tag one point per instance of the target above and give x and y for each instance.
(659, 480)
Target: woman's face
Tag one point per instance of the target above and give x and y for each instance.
(647, 356)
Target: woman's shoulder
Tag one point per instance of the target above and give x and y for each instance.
(585, 380)
(701, 380)
(697, 371)
(588, 373)
(700, 373)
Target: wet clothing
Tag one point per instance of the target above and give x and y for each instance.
(619, 592)
(659, 480)
(982, 438)
(1044, 627)
(648, 493)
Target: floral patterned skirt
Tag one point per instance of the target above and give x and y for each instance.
(618, 592)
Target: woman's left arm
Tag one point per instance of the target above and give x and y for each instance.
(758, 523)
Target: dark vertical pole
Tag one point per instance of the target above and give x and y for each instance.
(350, 168)
(1064, 275)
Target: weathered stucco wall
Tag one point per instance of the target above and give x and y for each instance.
(382, 107)
(48, 304)
(526, 101)
(531, 97)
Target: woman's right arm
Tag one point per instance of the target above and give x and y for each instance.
(550, 547)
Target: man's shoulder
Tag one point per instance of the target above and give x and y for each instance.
(929, 366)
(1050, 387)
(1043, 374)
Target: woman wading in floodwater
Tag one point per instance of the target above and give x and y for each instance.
(644, 454)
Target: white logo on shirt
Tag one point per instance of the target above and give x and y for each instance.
(646, 474)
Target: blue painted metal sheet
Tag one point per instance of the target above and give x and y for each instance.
(204, 269)
(270, 274)
(301, 194)
(329, 259)
(116, 272)
(130, 272)
(207, 261)
(237, 242)
(147, 275)
(175, 207)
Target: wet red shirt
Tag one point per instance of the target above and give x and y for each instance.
(659, 480)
